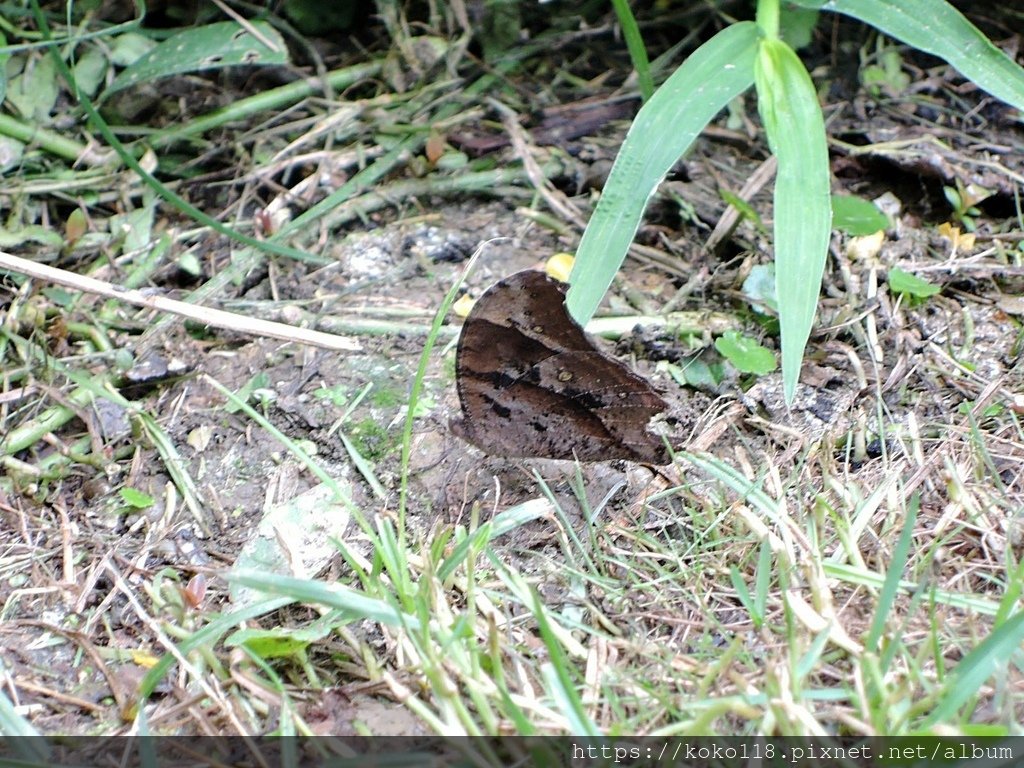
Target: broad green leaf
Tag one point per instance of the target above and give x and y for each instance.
(61, 297)
(797, 26)
(207, 637)
(339, 395)
(89, 70)
(11, 151)
(912, 285)
(886, 77)
(759, 289)
(267, 645)
(936, 27)
(136, 498)
(857, 216)
(33, 233)
(129, 48)
(803, 211)
(499, 30)
(214, 46)
(664, 128)
(967, 407)
(281, 642)
(299, 532)
(136, 227)
(745, 353)
(33, 92)
(189, 263)
(316, 18)
(695, 373)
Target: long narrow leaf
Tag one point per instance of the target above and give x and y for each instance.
(332, 595)
(635, 44)
(803, 209)
(980, 664)
(664, 128)
(15, 725)
(887, 598)
(211, 46)
(936, 27)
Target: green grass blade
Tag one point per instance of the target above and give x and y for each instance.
(558, 678)
(851, 574)
(803, 210)
(207, 636)
(392, 552)
(635, 44)
(810, 660)
(1014, 586)
(14, 724)
(270, 100)
(416, 390)
(981, 663)
(936, 27)
(762, 582)
(743, 594)
(332, 595)
(501, 524)
(664, 128)
(887, 598)
(749, 490)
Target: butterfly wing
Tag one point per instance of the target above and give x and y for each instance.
(531, 383)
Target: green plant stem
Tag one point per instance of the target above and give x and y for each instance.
(74, 151)
(77, 37)
(51, 142)
(416, 390)
(497, 182)
(53, 418)
(768, 18)
(273, 99)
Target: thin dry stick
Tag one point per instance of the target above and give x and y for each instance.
(217, 318)
(561, 204)
(246, 25)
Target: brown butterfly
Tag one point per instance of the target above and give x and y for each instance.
(532, 384)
